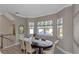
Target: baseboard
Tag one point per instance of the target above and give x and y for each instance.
(11, 45)
(65, 52)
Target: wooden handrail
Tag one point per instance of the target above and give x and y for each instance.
(2, 37)
(76, 43)
(8, 39)
(1, 41)
(6, 34)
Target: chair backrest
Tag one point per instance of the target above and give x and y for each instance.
(22, 44)
(28, 47)
(54, 45)
(56, 42)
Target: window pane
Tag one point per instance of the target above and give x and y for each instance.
(31, 31)
(40, 31)
(31, 27)
(61, 32)
(49, 31)
(60, 28)
(50, 22)
(46, 23)
(60, 21)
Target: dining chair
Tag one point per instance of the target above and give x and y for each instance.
(22, 46)
(29, 48)
(52, 49)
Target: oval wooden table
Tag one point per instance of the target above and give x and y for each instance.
(42, 45)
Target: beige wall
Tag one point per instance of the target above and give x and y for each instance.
(5, 25)
(76, 28)
(67, 41)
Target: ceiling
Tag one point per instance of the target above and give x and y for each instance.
(31, 10)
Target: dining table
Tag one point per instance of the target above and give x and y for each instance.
(39, 43)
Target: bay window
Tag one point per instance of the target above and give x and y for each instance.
(45, 27)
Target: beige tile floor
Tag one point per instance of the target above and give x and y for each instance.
(11, 50)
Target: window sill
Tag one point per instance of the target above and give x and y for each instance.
(45, 35)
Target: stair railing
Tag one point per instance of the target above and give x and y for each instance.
(2, 36)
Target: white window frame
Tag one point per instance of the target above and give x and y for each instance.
(60, 28)
(31, 27)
